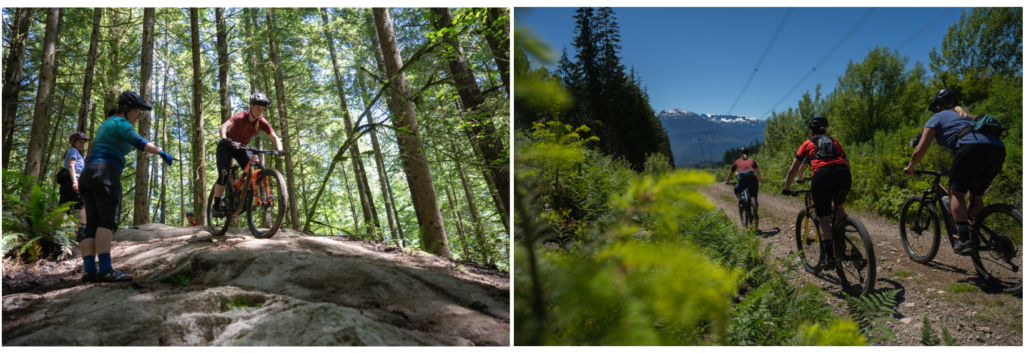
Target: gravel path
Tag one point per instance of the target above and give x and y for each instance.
(946, 289)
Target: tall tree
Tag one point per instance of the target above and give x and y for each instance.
(481, 126)
(417, 172)
(496, 32)
(40, 119)
(142, 159)
(282, 111)
(222, 67)
(12, 77)
(198, 175)
(163, 127)
(90, 68)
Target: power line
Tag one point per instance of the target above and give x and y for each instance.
(927, 26)
(816, 66)
(763, 56)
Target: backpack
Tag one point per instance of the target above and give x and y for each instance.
(746, 175)
(985, 124)
(824, 147)
(63, 176)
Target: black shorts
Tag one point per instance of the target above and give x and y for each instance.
(830, 185)
(225, 153)
(100, 187)
(975, 166)
(67, 193)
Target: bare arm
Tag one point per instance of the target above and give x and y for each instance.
(152, 149)
(800, 172)
(758, 172)
(277, 141)
(791, 173)
(922, 147)
(74, 175)
(224, 128)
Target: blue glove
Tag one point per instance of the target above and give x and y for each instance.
(167, 158)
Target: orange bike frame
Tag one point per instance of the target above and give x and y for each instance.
(240, 183)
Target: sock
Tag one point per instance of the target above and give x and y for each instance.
(963, 230)
(89, 264)
(829, 251)
(105, 262)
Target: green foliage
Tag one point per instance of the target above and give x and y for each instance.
(986, 42)
(657, 164)
(962, 287)
(928, 335)
(872, 312)
(839, 333)
(181, 280)
(47, 233)
(948, 339)
(901, 274)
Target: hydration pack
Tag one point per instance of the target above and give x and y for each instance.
(746, 176)
(985, 124)
(63, 176)
(824, 147)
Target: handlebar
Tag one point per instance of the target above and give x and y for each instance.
(930, 172)
(253, 149)
(795, 193)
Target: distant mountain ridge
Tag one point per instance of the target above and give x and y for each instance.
(730, 131)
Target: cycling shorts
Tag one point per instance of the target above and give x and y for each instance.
(829, 185)
(975, 166)
(225, 153)
(750, 186)
(100, 188)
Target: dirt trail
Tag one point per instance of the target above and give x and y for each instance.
(974, 318)
(293, 289)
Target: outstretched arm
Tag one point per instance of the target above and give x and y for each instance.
(791, 173)
(922, 147)
(224, 128)
(277, 141)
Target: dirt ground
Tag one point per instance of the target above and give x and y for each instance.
(948, 289)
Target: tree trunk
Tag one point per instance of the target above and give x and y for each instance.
(458, 226)
(478, 225)
(40, 120)
(113, 72)
(12, 78)
(222, 68)
(383, 185)
(163, 127)
(141, 215)
(497, 38)
(198, 152)
(351, 205)
(90, 68)
(417, 172)
(282, 110)
(385, 180)
(482, 126)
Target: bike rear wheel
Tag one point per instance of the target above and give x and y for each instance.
(998, 257)
(811, 255)
(268, 204)
(919, 230)
(218, 225)
(855, 264)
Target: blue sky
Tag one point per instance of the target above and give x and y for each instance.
(699, 59)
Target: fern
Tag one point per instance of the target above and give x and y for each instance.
(928, 336)
(872, 312)
(948, 339)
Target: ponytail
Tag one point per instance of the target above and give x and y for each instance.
(963, 112)
(121, 110)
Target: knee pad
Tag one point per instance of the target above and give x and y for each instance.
(222, 179)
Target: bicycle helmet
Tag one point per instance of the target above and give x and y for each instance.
(132, 101)
(946, 98)
(743, 150)
(818, 121)
(189, 213)
(259, 98)
(78, 135)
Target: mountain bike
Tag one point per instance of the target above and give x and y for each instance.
(855, 254)
(996, 232)
(748, 209)
(259, 191)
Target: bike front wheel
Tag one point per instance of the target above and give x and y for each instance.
(269, 204)
(998, 231)
(806, 237)
(919, 230)
(855, 261)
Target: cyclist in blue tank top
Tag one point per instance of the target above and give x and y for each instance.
(977, 159)
(100, 185)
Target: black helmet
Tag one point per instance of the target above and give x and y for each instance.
(78, 135)
(133, 101)
(743, 150)
(259, 98)
(943, 99)
(818, 121)
(189, 213)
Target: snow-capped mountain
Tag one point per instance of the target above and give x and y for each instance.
(718, 133)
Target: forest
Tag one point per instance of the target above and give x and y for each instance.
(599, 93)
(609, 253)
(394, 121)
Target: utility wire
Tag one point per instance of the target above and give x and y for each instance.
(927, 26)
(816, 66)
(763, 56)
